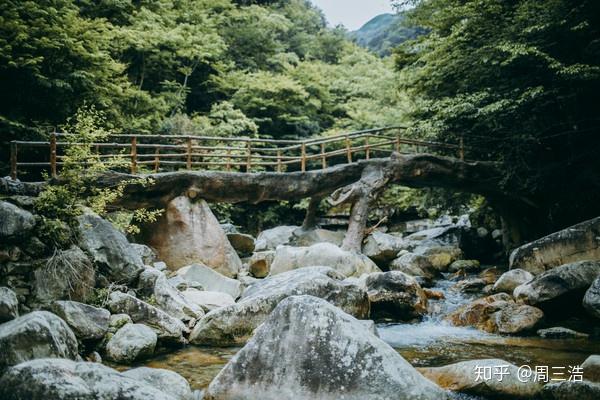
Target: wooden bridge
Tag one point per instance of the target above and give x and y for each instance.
(167, 153)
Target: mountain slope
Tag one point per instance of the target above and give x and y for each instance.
(384, 32)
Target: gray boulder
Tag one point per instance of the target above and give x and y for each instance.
(14, 222)
(68, 380)
(309, 349)
(211, 280)
(559, 289)
(87, 322)
(288, 258)
(576, 243)
(271, 238)
(235, 323)
(305, 238)
(39, 334)
(9, 305)
(147, 280)
(131, 342)
(117, 321)
(207, 300)
(147, 255)
(109, 249)
(173, 302)
(509, 280)
(464, 265)
(591, 300)
(591, 368)
(165, 326)
(382, 247)
(440, 256)
(395, 295)
(164, 380)
(571, 390)
(462, 377)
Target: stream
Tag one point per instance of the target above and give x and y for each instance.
(429, 343)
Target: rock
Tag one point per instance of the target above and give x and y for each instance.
(440, 257)
(208, 300)
(15, 222)
(497, 234)
(309, 349)
(242, 243)
(38, 334)
(464, 265)
(306, 238)
(271, 238)
(131, 342)
(117, 321)
(188, 233)
(229, 228)
(471, 285)
(165, 326)
(413, 264)
(9, 305)
(167, 381)
(571, 390)
(171, 301)
(322, 254)
(591, 300)
(463, 377)
(67, 274)
(482, 232)
(235, 323)
(436, 237)
(259, 264)
(395, 295)
(434, 294)
(161, 266)
(490, 275)
(382, 247)
(87, 322)
(147, 280)
(576, 243)
(109, 249)
(211, 280)
(497, 313)
(147, 255)
(508, 281)
(561, 333)
(591, 368)
(68, 380)
(559, 290)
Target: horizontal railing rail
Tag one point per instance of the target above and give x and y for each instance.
(156, 153)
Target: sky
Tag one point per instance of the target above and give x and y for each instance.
(352, 13)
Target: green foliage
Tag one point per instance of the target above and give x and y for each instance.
(385, 32)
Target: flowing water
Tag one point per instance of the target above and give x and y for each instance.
(430, 343)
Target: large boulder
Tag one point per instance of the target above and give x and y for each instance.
(15, 222)
(288, 258)
(305, 238)
(166, 327)
(497, 313)
(211, 280)
(39, 334)
(242, 243)
(591, 368)
(207, 300)
(131, 342)
(173, 302)
(591, 300)
(571, 390)
(162, 379)
(147, 255)
(561, 289)
(509, 280)
(382, 247)
(68, 380)
(309, 349)
(87, 322)
(440, 256)
(259, 265)
(109, 249)
(187, 233)
(576, 243)
(491, 378)
(270, 239)
(395, 295)
(9, 305)
(235, 323)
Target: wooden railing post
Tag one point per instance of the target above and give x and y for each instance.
(134, 155)
(53, 154)
(303, 160)
(189, 154)
(368, 149)
(279, 166)
(348, 150)
(461, 150)
(228, 165)
(13, 160)
(323, 156)
(249, 160)
(397, 143)
(156, 160)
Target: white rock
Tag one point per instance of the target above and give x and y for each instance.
(131, 342)
(208, 300)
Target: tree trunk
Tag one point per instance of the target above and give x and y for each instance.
(310, 219)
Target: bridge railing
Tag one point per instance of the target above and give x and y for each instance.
(159, 153)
